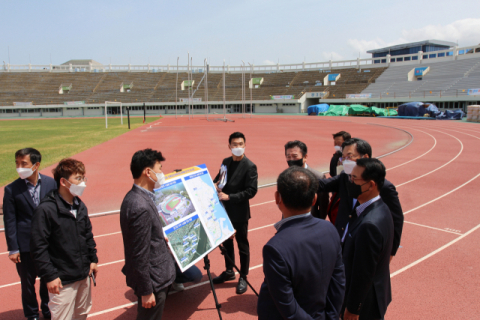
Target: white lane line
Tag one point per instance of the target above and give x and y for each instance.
(259, 204)
(122, 260)
(434, 252)
(422, 225)
(434, 145)
(10, 284)
(268, 225)
(109, 263)
(444, 195)
(108, 234)
(118, 232)
(426, 174)
(130, 304)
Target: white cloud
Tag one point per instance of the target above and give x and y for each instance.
(268, 62)
(466, 31)
(331, 55)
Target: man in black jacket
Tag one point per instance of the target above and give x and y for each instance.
(296, 154)
(354, 149)
(367, 245)
(149, 265)
(19, 202)
(242, 184)
(62, 243)
(338, 139)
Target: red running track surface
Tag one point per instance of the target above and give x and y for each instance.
(434, 274)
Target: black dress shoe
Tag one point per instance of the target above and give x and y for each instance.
(241, 286)
(225, 276)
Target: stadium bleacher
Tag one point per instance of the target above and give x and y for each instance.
(447, 78)
(42, 88)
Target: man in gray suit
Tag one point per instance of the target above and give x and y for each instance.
(296, 154)
(149, 266)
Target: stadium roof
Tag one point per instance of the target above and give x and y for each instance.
(82, 62)
(415, 44)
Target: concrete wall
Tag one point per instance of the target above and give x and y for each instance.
(265, 109)
(69, 112)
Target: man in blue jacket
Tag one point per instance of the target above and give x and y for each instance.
(21, 198)
(302, 263)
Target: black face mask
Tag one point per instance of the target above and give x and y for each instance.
(355, 190)
(298, 162)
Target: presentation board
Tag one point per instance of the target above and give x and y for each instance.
(193, 218)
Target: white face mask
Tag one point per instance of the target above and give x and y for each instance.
(348, 166)
(25, 173)
(160, 180)
(238, 152)
(338, 148)
(77, 189)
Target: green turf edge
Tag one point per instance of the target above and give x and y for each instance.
(77, 135)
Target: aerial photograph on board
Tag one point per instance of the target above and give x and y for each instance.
(173, 203)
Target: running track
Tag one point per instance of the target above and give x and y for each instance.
(435, 274)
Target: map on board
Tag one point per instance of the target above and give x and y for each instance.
(193, 218)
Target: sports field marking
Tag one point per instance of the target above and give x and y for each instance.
(434, 252)
(434, 145)
(430, 172)
(444, 230)
(130, 304)
(258, 266)
(442, 196)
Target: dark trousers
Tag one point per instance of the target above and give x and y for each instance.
(243, 247)
(156, 312)
(192, 274)
(27, 272)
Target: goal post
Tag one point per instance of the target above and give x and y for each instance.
(113, 103)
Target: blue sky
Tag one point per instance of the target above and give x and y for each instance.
(262, 32)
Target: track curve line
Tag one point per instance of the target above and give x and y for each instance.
(433, 147)
(430, 172)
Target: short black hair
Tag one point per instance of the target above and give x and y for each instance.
(144, 159)
(34, 154)
(236, 135)
(362, 146)
(345, 135)
(374, 170)
(297, 187)
(296, 143)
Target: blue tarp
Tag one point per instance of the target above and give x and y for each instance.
(432, 109)
(451, 115)
(411, 109)
(318, 108)
(417, 109)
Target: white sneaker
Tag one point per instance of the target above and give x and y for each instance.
(176, 287)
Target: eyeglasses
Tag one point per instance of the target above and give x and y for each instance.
(352, 179)
(81, 179)
(349, 157)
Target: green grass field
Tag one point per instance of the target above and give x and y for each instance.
(55, 138)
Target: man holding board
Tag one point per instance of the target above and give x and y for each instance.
(241, 186)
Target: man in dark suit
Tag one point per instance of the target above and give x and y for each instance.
(367, 245)
(338, 139)
(241, 186)
(19, 202)
(296, 154)
(149, 265)
(302, 263)
(354, 149)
